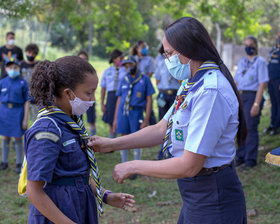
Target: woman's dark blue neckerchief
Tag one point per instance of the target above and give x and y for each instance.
(77, 125)
(164, 153)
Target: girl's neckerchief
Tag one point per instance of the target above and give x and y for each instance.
(164, 153)
(77, 125)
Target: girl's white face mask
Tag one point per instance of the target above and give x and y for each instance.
(79, 106)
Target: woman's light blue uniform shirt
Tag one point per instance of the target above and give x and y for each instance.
(254, 76)
(166, 81)
(146, 65)
(109, 76)
(209, 122)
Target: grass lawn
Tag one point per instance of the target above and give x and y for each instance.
(158, 200)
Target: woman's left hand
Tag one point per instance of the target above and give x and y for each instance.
(255, 110)
(123, 171)
(120, 200)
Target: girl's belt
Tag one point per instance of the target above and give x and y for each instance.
(71, 181)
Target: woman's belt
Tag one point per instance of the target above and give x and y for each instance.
(169, 91)
(246, 91)
(208, 171)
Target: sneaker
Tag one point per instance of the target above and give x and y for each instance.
(3, 166)
(18, 168)
(267, 130)
(273, 131)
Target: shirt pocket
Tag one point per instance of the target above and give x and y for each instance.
(72, 155)
(180, 129)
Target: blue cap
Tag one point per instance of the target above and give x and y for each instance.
(128, 59)
(11, 60)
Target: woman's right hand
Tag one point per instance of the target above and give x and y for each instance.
(100, 144)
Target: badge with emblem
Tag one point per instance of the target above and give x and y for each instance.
(139, 94)
(185, 105)
(179, 135)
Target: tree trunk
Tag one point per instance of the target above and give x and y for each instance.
(90, 35)
(47, 39)
(218, 39)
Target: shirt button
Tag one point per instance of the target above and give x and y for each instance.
(210, 73)
(177, 122)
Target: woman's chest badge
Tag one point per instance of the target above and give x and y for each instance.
(179, 135)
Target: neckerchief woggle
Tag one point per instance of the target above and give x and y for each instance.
(77, 125)
(188, 86)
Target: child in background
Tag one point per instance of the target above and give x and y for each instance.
(26, 68)
(59, 161)
(134, 96)
(91, 113)
(110, 82)
(14, 106)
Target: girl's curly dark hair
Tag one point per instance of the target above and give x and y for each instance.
(48, 78)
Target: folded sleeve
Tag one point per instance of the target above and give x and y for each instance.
(209, 117)
(42, 147)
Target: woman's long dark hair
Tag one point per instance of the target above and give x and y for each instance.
(189, 37)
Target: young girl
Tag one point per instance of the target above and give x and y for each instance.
(14, 107)
(59, 161)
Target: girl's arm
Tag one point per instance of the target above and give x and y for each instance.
(255, 110)
(148, 112)
(118, 200)
(116, 114)
(103, 108)
(25, 117)
(36, 194)
(188, 165)
(146, 137)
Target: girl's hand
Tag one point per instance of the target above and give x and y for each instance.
(103, 107)
(255, 110)
(24, 125)
(122, 171)
(120, 200)
(114, 125)
(144, 124)
(100, 144)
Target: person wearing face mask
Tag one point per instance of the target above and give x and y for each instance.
(146, 65)
(10, 50)
(110, 82)
(197, 133)
(134, 96)
(26, 68)
(63, 182)
(91, 112)
(274, 88)
(251, 78)
(14, 107)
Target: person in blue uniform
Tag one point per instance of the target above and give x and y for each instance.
(59, 161)
(251, 78)
(134, 96)
(146, 65)
(14, 106)
(26, 68)
(274, 88)
(197, 133)
(166, 84)
(110, 82)
(91, 112)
